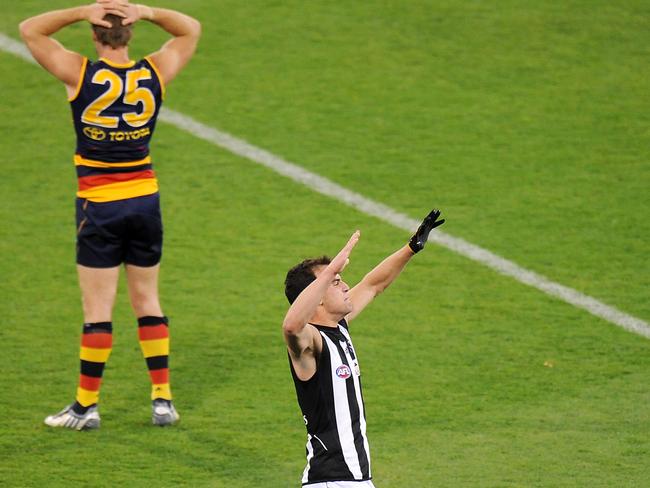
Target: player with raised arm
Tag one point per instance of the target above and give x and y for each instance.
(115, 102)
(324, 364)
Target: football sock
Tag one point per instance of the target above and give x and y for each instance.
(96, 345)
(154, 342)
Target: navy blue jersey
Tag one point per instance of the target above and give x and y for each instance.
(114, 113)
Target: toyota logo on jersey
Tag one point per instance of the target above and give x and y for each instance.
(343, 371)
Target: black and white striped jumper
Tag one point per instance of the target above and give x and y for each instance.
(332, 406)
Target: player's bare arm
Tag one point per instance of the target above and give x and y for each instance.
(303, 340)
(176, 52)
(390, 268)
(377, 280)
(59, 61)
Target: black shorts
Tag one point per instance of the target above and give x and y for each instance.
(125, 231)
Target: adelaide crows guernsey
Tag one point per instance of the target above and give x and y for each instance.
(332, 406)
(114, 110)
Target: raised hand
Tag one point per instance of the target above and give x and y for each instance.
(342, 259)
(420, 237)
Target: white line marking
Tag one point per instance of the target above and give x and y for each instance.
(370, 207)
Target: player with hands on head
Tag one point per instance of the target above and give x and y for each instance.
(115, 103)
(323, 362)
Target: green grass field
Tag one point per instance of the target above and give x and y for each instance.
(526, 122)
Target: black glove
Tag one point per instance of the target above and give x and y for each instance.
(420, 237)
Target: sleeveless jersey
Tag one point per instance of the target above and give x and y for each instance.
(332, 406)
(114, 112)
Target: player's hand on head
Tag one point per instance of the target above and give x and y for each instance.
(421, 236)
(95, 12)
(342, 259)
(130, 12)
(133, 12)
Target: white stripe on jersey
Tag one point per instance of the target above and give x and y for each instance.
(310, 454)
(357, 390)
(342, 411)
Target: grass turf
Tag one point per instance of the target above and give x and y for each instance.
(526, 123)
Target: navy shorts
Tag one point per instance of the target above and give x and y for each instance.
(125, 231)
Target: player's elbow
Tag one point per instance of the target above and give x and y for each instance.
(196, 28)
(25, 30)
(290, 327)
(193, 28)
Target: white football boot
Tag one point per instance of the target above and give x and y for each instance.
(69, 419)
(164, 413)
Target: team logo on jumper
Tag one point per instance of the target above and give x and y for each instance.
(343, 371)
(94, 133)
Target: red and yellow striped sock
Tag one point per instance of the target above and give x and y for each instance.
(96, 345)
(153, 333)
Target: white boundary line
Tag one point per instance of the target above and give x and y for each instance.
(370, 207)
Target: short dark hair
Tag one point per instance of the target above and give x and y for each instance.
(301, 275)
(117, 35)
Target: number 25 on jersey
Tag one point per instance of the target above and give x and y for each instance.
(131, 95)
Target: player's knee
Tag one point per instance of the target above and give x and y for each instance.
(142, 299)
(98, 301)
(145, 304)
(97, 311)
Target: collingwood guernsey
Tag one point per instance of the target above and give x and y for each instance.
(332, 406)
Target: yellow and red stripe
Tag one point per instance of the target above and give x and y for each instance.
(93, 182)
(153, 334)
(101, 183)
(96, 346)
